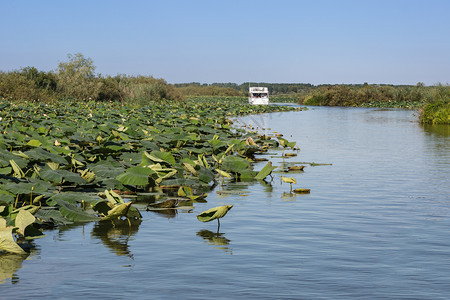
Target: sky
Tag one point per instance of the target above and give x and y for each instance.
(207, 41)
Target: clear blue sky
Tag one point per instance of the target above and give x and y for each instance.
(329, 41)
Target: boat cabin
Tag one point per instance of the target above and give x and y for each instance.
(258, 95)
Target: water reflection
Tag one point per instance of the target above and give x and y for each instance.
(217, 239)
(115, 235)
(165, 213)
(10, 263)
(441, 130)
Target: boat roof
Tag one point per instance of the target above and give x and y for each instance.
(258, 89)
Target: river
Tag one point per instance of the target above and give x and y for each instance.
(375, 225)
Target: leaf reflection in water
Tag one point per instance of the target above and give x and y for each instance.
(217, 239)
(10, 263)
(115, 235)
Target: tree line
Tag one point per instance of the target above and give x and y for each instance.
(76, 79)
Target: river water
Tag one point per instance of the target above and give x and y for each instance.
(375, 225)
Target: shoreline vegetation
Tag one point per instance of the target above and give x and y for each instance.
(72, 162)
(76, 79)
(72, 142)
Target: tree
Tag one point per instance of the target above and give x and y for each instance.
(76, 78)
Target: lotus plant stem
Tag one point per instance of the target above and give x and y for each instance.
(17, 199)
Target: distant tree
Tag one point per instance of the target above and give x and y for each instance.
(76, 78)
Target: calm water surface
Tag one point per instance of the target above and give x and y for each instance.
(375, 226)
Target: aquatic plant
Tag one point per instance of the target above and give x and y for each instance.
(289, 180)
(214, 213)
(67, 163)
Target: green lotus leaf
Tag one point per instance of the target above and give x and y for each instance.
(37, 186)
(18, 173)
(5, 171)
(118, 211)
(23, 219)
(214, 213)
(247, 174)
(6, 197)
(7, 242)
(34, 143)
(59, 176)
(106, 170)
(190, 168)
(71, 197)
(205, 174)
(184, 182)
(136, 176)
(235, 164)
(40, 155)
(266, 171)
(51, 215)
(6, 156)
(158, 156)
(74, 213)
(223, 173)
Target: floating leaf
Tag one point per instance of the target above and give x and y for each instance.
(296, 168)
(302, 191)
(136, 176)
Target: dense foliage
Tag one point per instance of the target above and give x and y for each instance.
(437, 111)
(195, 88)
(76, 79)
(69, 162)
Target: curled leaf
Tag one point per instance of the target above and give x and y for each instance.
(214, 213)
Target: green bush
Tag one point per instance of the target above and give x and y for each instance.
(437, 111)
(18, 86)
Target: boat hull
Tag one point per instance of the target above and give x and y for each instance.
(258, 101)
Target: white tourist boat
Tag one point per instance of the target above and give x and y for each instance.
(258, 95)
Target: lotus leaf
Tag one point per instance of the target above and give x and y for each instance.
(23, 219)
(7, 242)
(302, 191)
(73, 212)
(136, 176)
(118, 211)
(214, 213)
(266, 171)
(223, 173)
(18, 173)
(235, 164)
(5, 171)
(34, 143)
(158, 156)
(37, 186)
